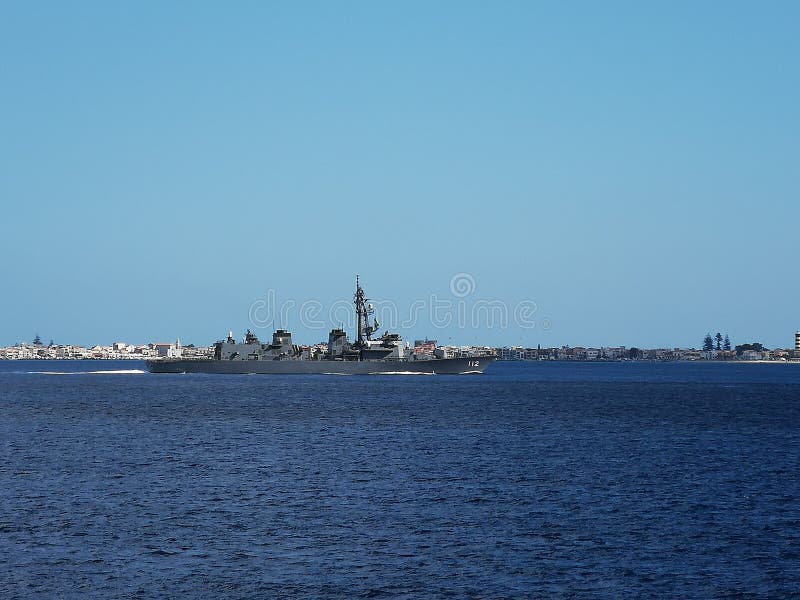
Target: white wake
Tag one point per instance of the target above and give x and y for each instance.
(109, 372)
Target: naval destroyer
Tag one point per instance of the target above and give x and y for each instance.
(386, 354)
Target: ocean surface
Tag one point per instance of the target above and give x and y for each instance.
(615, 480)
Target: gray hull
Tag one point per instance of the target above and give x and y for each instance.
(439, 366)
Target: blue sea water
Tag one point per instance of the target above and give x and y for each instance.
(534, 480)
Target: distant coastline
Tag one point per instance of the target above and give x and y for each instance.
(580, 354)
(793, 361)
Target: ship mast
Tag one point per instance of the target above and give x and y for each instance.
(363, 310)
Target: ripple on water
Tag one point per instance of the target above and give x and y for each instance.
(488, 486)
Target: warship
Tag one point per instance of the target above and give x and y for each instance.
(387, 354)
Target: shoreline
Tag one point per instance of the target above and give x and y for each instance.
(500, 361)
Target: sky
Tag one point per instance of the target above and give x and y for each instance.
(601, 173)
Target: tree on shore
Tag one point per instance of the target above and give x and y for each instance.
(37, 341)
(726, 345)
(634, 353)
(708, 343)
(754, 346)
(718, 338)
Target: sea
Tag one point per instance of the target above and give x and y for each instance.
(533, 480)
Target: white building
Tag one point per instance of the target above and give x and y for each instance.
(165, 350)
(754, 355)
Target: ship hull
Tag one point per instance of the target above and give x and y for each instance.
(439, 366)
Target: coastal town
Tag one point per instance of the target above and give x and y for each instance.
(712, 350)
(116, 351)
(579, 353)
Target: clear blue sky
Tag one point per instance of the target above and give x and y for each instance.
(630, 167)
